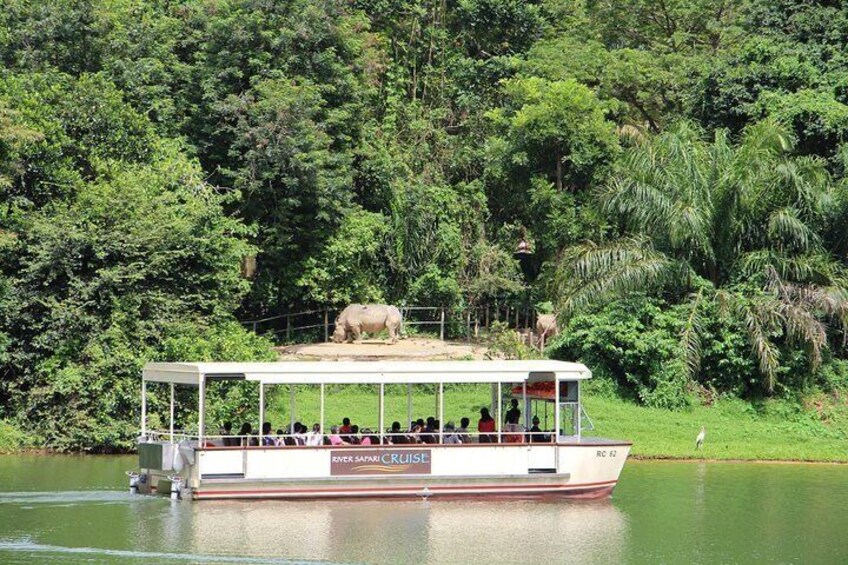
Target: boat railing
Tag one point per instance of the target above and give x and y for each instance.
(375, 438)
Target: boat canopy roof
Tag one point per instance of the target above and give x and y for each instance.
(368, 372)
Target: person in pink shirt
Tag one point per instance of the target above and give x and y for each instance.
(335, 438)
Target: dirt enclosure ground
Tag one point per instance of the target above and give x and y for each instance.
(410, 348)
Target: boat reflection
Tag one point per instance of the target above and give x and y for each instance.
(420, 531)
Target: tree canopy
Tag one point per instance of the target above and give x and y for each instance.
(678, 169)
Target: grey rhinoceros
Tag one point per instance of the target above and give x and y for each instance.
(546, 326)
(370, 318)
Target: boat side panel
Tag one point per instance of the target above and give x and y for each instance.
(592, 463)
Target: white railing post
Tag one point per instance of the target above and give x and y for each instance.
(556, 411)
(500, 401)
(171, 427)
(322, 409)
(143, 408)
(261, 413)
(525, 405)
(382, 412)
(579, 412)
(201, 404)
(408, 404)
(441, 411)
(292, 408)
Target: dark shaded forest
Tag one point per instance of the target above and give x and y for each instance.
(676, 167)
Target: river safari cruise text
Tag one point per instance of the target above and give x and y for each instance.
(565, 464)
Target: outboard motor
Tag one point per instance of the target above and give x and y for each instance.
(176, 487)
(134, 478)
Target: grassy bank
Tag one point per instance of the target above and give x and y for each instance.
(776, 430)
(736, 429)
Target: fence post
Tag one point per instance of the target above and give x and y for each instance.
(326, 325)
(506, 318)
(254, 327)
(288, 327)
(442, 325)
(476, 322)
(468, 325)
(487, 316)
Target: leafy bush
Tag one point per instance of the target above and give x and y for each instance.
(634, 343)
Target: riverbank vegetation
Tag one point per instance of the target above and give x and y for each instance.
(677, 169)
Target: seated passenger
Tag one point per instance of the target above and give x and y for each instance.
(279, 440)
(353, 438)
(462, 432)
(366, 437)
(396, 436)
(450, 437)
(536, 435)
(345, 429)
(485, 426)
(415, 433)
(267, 439)
(427, 431)
(226, 432)
(335, 438)
(244, 434)
(315, 437)
(299, 434)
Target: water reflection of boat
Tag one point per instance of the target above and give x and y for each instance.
(447, 532)
(505, 459)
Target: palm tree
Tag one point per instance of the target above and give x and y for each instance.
(706, 220)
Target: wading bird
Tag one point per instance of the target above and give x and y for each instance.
(700, 439)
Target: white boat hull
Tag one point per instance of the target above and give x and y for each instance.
(588, 468)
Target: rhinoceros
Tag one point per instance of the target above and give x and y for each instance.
(546, 326)
(370, 318)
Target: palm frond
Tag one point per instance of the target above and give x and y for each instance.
(801, 326)
(764, 350)
(590, 273)
(786, 226)
(690, 336)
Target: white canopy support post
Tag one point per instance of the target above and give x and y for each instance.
(525, 406)
(556, 410)
(201, 408)
(408, 404)
(579, 412)
(436, 404)
(292, 409)
(322, 408)
(441, 412)
(500, 398)
(143, 408)
(171, 428)
(261, 415)
(382, 412)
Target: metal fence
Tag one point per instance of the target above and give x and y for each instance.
(312, 326)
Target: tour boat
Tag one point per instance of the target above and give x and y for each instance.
(509, 461)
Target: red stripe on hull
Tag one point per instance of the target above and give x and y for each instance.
(586, 490)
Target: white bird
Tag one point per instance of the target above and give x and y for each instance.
(699, 441)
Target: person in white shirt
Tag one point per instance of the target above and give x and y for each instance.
(315, 437)
(299, 434)
(450, 435)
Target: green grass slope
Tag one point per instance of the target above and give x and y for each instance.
(735, 429)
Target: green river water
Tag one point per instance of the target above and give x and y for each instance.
(77, 510)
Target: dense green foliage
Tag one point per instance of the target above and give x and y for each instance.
(677, 168)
